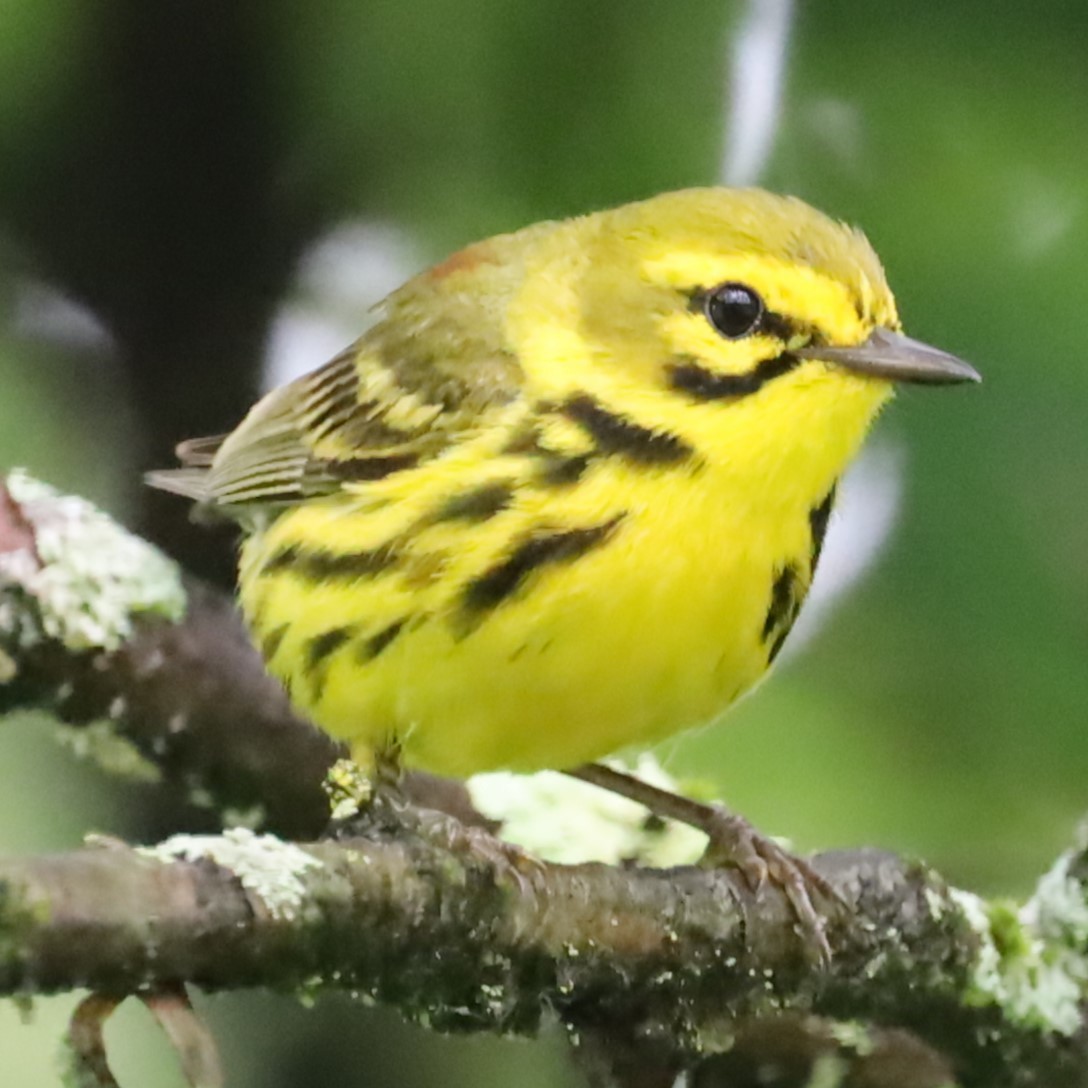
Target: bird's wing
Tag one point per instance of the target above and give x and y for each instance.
(435, 368)
(383, 406)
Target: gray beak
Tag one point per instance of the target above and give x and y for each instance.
(898, 358)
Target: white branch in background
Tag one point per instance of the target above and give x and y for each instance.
(44, 313)
(757, 78)
(341, 277)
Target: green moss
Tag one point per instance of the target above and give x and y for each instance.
(18, 922)
(1037, 981)
(348, 788)
(854, 1036)
(828, 1071)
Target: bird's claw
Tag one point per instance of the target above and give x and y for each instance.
(506, 858)
(761, 861)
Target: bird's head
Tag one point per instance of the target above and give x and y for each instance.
(721, 294)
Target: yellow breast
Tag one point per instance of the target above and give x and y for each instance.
(479, 615)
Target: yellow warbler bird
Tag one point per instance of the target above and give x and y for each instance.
(568, 494)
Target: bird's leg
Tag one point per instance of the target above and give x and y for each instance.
(733, 843)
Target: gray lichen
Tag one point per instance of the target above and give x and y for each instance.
(560, 819)
(267, 867)
(89, 580)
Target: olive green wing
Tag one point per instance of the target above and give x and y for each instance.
(434, 368)
(383, 406)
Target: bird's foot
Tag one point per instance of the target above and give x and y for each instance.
(506, 859)
(734, 843)
(763, 863)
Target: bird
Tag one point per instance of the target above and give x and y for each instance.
(568, 493)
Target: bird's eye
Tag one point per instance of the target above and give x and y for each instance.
(733, 309)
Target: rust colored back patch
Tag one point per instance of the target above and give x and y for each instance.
(464, 260)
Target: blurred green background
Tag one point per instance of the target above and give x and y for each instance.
(167, 170)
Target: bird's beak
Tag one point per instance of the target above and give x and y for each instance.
(898, 358)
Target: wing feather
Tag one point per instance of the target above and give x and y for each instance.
(361, 417)
(435, 367)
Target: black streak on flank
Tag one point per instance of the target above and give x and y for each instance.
(782, 601)
(818, 518)
(271, 642)
(330, 566)
(525, 439)
(688, 376)
(555, 468)
(614, 434)
(559, 471)
(317, 650)
(479, 504)
(324, 645)
(376, 643)
(499, 582)
(787, 595)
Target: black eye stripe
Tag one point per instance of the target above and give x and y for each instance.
(778, 325)
(698, 382)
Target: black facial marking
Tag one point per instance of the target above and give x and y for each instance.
(376, 643)
(777, 325)
(318, 566)
(479, 504)
(318, 648)
(615, 434)
(498, 583)
(818, 518)
(699, 383)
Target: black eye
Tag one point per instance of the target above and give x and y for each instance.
(733, 309)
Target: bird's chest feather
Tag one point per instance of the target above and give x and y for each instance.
(716, 580)
(558, 629)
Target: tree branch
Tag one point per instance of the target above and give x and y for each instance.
(676, 959)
